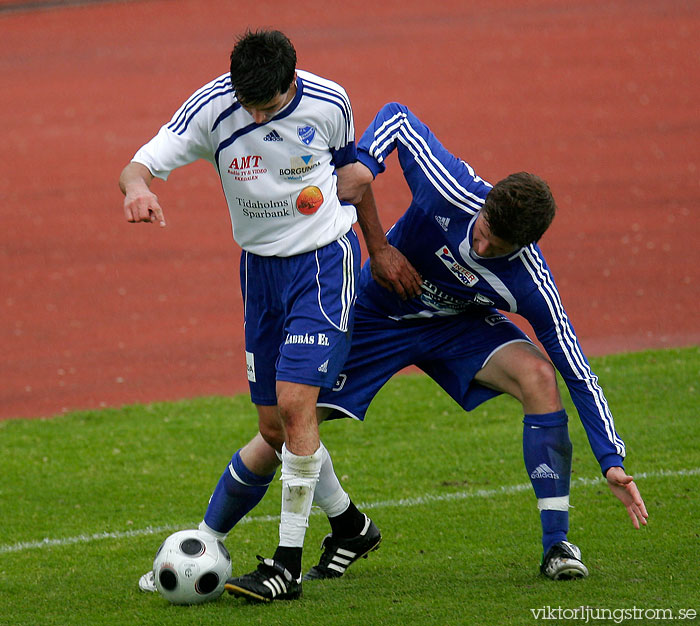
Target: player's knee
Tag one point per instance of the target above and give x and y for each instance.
(289, 407)
(273, 434)
(297, 403)
(270, 426)
(539, 378)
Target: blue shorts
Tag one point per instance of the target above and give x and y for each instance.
(451, 350)
(298, 316)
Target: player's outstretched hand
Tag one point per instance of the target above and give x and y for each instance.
(140, 203)
(393, 271)
(143, 207)
(624, 488)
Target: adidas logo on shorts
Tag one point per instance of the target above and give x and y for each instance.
(273, 136)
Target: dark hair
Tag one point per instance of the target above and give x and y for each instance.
(519, 208)
(262, 66)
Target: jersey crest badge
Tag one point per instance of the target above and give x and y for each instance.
(306, 134)
(462, 273)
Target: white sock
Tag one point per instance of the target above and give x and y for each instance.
(299, 478)
(205, 529)
(329, 495)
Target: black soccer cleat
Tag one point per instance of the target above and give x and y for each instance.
(339, 554)
(271, 581)
(563, 562)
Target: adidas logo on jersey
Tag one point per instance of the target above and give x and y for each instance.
(443, 221)
(323, 368)
(273, 136)
(544, 471)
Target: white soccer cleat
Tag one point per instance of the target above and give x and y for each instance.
(563, 562)
(147, 582)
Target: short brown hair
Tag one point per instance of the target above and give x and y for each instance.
(519, 208)
(262, 65)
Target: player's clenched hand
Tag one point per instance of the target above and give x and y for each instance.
(393, 271)
(140, 203)
(142, 206)
(624, 488)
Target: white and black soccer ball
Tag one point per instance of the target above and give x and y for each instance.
(191, 567)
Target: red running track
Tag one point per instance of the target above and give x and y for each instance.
(600, 98)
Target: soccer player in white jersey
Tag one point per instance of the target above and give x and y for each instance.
(277, 136)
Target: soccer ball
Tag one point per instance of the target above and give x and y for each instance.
(191, 567)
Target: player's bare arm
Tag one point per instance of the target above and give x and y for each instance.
(140, 203)
(390, 267)
(353, 180)
(624, 488)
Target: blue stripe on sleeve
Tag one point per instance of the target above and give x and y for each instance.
(569, 344)
(332, 96)
(194, 105)
(399, 128)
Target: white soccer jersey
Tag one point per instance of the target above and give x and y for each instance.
(278, 177)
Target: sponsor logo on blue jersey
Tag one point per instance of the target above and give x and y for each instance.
(306, 134)
(462, 273)
(481, 299)
(436, 298)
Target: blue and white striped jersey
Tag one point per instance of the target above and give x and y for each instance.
(435, 234)
(278, 177)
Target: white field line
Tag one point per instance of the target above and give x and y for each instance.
(403, 502)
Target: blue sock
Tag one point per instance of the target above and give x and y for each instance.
(237, 492)
(547, 453)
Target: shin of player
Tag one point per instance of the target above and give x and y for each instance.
(547, 452)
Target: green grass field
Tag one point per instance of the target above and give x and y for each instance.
(86, 498)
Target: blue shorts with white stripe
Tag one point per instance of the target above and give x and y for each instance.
(298, 316)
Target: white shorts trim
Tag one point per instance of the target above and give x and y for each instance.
(503, 345)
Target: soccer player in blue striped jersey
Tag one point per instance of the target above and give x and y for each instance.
(277, 137)
(475, 247)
